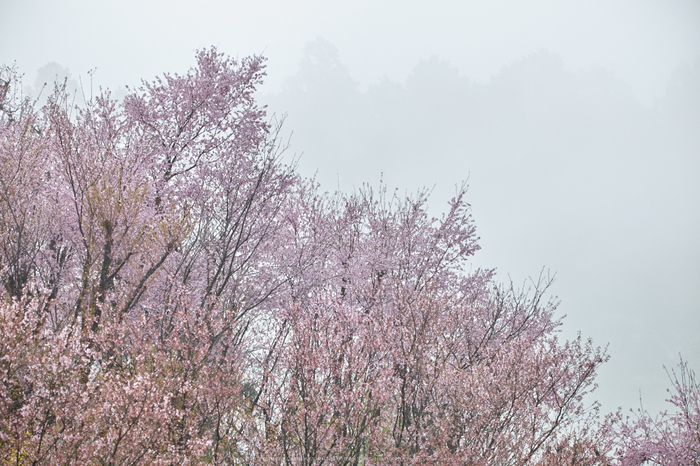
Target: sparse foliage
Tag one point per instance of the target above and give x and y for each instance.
(669, 439)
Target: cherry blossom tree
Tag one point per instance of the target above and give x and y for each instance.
(671, 438)
(401, 356)
(174, 292)
(138, 242)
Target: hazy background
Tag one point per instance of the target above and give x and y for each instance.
(577, 125)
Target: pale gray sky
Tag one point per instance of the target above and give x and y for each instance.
(580, 157)
(640, 41)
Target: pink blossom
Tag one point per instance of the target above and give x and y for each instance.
(173, 293)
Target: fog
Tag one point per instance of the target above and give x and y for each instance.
(576, 126)
(567, 170)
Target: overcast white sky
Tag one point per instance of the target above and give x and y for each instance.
(641, 41)
(580, 157)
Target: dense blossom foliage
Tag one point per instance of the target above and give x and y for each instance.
(174, 293)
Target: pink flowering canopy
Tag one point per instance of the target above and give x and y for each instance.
(173, 292)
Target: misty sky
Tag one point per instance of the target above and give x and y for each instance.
(577, 125)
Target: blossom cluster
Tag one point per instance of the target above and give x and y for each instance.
(173, 292)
